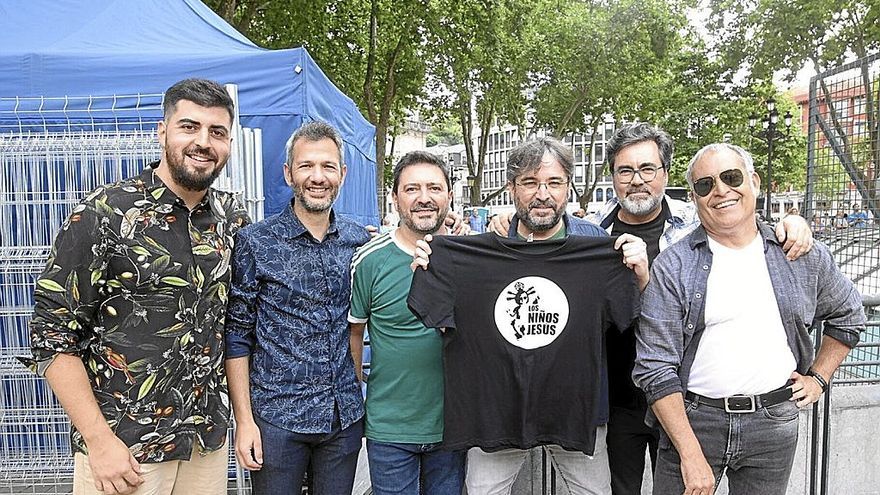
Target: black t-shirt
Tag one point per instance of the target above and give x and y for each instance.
(524, 346)
(622, 392)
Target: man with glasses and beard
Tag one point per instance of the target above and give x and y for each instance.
(296, 398)
(723, 350)
(128, 321)
(404, 419)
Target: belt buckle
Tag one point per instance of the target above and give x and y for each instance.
(740, 404)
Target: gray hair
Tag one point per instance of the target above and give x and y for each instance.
(527, 157)
(202, 92)
(312, 132)
(636, 133)
(744, 157)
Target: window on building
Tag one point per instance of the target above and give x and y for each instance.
(842, 108)
(609, 130)
(599, 153)
(600, 196)
(609, 193)
(858, 106)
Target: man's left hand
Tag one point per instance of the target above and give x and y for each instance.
(455, 224)
(795, 234)
(805, 389)
(635, 256)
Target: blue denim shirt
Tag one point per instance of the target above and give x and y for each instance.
(809, 289)
(288, 310)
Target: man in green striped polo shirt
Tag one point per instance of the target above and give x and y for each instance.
(404, 421)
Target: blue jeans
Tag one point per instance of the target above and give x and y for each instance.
(755, 450)
(411, 468)
(286, 455)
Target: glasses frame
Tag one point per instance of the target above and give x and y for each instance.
(732, 177)
(638, 171)
(562, 186)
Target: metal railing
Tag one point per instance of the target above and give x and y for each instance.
(859, 368)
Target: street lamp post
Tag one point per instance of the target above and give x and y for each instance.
(770, 133)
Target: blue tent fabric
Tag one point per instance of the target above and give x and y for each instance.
(119, 47)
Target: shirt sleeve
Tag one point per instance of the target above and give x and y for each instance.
(67, 296)
(241, 316)
(431, 295)
(660, 334)
(361, 293)
(838, 302)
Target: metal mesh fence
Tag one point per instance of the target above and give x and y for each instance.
(842, 197)
(54, 151)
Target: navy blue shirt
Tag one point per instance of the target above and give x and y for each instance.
(288, 310)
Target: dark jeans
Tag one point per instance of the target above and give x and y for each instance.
(286, 455)
(411, 469)
(755, 450)
(628, 437)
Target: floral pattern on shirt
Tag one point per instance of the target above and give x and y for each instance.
(288, 311)
(136, 285)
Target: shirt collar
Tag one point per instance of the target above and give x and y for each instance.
(514, 223)
(290, 226)
(701, 237)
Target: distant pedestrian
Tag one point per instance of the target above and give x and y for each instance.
(476, 222)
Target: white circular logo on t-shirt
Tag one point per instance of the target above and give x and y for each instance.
(531, 312)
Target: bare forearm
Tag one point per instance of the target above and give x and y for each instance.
(356, 343)
(831, 353)
(670, 411)
(238, 377)
(68, 379)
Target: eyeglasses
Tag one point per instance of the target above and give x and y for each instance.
(627, 174)
(732, 177)
(532, 185)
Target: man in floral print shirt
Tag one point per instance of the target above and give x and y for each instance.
(129, 314)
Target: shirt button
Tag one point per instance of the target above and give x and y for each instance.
(698, 295)
(705, 267)
(690, 326)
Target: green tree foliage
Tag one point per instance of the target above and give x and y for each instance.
(759, 38)
(592, 60)
(478, 71)
(373, 50)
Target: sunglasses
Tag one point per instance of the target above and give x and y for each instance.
(732, 177)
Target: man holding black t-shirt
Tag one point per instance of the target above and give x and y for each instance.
(539, 172)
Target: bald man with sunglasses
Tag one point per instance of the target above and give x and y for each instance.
(723, 350)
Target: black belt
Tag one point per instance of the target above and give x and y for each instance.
(743, 403)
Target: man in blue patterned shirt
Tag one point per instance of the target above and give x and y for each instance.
(296, 399)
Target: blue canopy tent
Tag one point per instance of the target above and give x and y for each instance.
(119, 47)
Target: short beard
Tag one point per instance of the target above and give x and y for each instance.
(407, 218)
(186, 179)
(313, 206)
(523, 212)
(640, 208)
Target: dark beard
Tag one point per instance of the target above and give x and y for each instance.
(187, 180)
